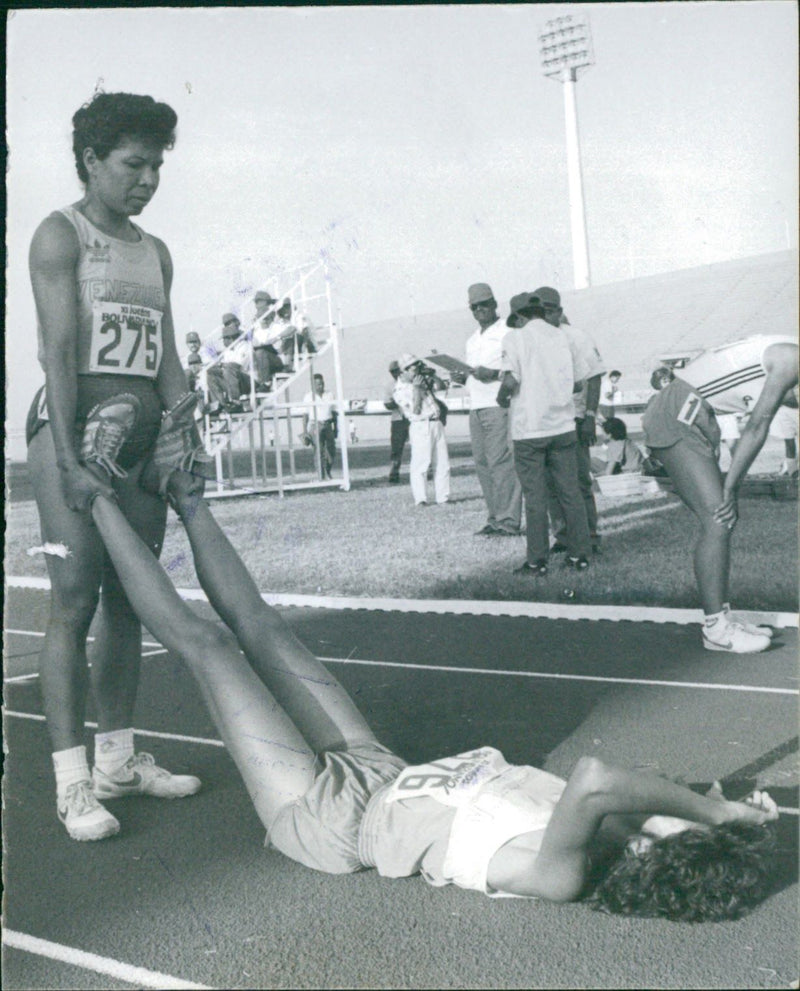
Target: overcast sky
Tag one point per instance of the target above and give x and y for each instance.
(420, 148)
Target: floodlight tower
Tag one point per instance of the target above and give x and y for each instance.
(566, 50)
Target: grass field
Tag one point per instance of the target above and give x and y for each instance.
(373, 542)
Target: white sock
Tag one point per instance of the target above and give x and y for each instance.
(790, 465)
(70, 766)
(112, 750)
(711, 619)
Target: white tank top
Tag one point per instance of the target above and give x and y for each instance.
(731, 377)
(121, 302)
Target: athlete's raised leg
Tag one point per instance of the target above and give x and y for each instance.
(317, 703)
(274, 759)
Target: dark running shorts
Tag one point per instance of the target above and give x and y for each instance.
(321, 829)
(93, 389)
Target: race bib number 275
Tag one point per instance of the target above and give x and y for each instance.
(126, 339)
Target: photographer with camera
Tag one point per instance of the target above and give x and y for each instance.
(414, 393)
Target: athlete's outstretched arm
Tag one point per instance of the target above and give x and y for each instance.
(780, 364)
(596, 790)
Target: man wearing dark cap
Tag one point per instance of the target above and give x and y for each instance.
(398, 428)
(488, 422)
(539, 376)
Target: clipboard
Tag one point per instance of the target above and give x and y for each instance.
(448, 362)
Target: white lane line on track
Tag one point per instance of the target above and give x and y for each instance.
(473, 607)
(36, 717)
(178, 737)
(757, 689)
(138, 976)
(39, 633)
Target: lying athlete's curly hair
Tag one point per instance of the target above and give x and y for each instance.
(108, 117)
(693, 876)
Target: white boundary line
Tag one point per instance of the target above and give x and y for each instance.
(544, 675)
(138, 976)
(471, 607)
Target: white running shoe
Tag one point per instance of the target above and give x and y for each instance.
(83, 816)
(140, 775)
(756, 628)
(733, 638)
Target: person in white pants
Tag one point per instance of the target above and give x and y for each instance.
(414, 394)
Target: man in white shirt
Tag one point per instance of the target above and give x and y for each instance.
(539, 378)
(229, 378)
(266, 359)
(488, 422)
(319, 424)
(414, 394)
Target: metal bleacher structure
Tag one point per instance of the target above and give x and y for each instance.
(267, 434)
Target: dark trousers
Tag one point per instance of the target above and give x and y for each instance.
(398, 435)
(559, 523)
(544, 461)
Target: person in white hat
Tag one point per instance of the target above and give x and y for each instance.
(414, 393)
(488, 422)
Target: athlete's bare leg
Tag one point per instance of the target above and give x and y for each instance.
(75, 582)
(317, 703)
(116, 652)
(274, 759)
(699, 482)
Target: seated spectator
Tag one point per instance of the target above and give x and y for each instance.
(230, 378)
(320, 427)
(623, 455)
(292, 333)
(194, 367)
(266, 359)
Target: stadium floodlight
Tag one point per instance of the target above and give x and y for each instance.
(566, 50)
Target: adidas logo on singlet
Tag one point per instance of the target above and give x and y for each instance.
(99, 252)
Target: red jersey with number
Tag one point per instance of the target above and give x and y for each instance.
(121, 302)
(671, 414)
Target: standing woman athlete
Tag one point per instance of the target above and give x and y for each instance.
(101, 286)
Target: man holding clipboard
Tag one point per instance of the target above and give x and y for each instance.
(488, 422)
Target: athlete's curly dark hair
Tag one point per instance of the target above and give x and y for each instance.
(108, 117)
(693, 876)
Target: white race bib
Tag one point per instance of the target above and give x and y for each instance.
(451, 780)
(126, 339)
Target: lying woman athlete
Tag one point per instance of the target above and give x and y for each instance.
(333, 798)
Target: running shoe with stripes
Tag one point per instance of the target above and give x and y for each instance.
(733, 637)
(140, 775)
(83, 816)
(178, 448)
(108, 426)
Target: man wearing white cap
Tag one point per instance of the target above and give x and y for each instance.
(414, 394)
(488, 422)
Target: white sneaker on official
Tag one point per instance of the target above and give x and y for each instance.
(733, 638)
(83, 816)
(757, 628)
(140, 775)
